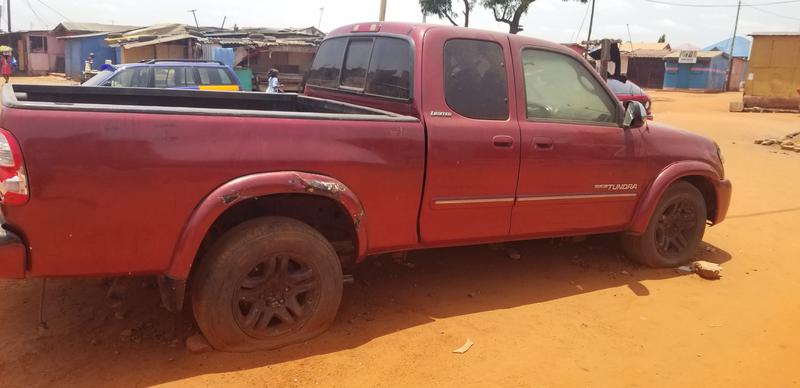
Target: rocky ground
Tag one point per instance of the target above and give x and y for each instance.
(544, 313)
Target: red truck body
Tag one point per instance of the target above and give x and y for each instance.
(132, 189)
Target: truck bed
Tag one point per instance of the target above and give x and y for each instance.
(146, 100)
(116, 174)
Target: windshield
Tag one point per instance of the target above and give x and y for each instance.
(99, 78)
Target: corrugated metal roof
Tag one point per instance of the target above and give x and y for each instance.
(93, 27)
(775, 34)
(166, 39)
(631, 47)
(700, 54)
(647, 53)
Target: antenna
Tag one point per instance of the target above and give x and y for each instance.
(630, 39)
(194, 13)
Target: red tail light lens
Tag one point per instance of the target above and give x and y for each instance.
(13, 181)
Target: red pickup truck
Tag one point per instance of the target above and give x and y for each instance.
(408, 136)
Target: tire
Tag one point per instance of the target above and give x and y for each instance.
(267, 283)
(675, 229)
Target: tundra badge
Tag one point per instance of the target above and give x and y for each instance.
(617, 186)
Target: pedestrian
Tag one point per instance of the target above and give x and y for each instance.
(6, 64)
(88, 65)
(273, 83)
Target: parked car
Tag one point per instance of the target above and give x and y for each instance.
(408, 136)
(168, 74)
(628, 91)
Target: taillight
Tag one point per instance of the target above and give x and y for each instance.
(13, 181)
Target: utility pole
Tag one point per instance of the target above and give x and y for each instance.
(194, 13)
(8, 14)
(382, 15)
(733, 43)
(321, 12)
(224, 19)
(591, 22)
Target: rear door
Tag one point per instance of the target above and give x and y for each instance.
(473, 137)
(215, 78)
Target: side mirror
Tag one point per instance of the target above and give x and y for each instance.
(623, 78)
(635, 115)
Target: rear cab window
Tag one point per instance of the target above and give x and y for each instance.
(374, 65)
(476, 84)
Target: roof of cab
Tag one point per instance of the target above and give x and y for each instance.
(410, 29)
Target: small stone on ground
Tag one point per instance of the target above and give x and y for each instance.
(198, 344)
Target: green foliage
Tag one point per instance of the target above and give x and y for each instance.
(444, 9)
(511, 11)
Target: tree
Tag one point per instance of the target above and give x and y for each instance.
(662, 38)
(444, 9)
(511, 11)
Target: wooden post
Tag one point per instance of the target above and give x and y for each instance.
(382, 15)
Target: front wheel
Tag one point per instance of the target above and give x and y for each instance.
(267, 283)
(675, 229)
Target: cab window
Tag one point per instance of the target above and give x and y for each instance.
(476, 84)
(328, 63)
(356, 62)
(379, 66)
(558, 87)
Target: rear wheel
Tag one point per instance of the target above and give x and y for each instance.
(267, 283)
(675, 229)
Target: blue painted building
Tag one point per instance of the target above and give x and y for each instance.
(707, 74)
(78, 47)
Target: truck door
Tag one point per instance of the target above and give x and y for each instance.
(473, 137)
(579, 170)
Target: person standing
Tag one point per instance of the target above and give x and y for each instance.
(273, 83)
(6, 63)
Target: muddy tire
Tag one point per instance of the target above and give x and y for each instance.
(266, 283)
(675, 229)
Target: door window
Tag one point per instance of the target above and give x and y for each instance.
(476, 85)
(214, 76)
(137, 77)
(558, 87)
(173, 77)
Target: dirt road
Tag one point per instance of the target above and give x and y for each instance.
(571, 314)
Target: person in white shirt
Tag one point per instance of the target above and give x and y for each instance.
(273, 84)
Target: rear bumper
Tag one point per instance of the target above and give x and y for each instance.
(724, 189)
(12, 256)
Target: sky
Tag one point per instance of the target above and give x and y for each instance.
(555, 20)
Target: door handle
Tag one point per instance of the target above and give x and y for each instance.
(543, 143)
(503, 141)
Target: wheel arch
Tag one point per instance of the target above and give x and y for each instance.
(236, 193)
(699, 174)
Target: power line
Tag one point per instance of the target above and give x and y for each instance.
(54, 10)
(28, 2)
(722, 5)
(774, 13)
(576, 34)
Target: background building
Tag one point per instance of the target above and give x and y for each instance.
(773, 79)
